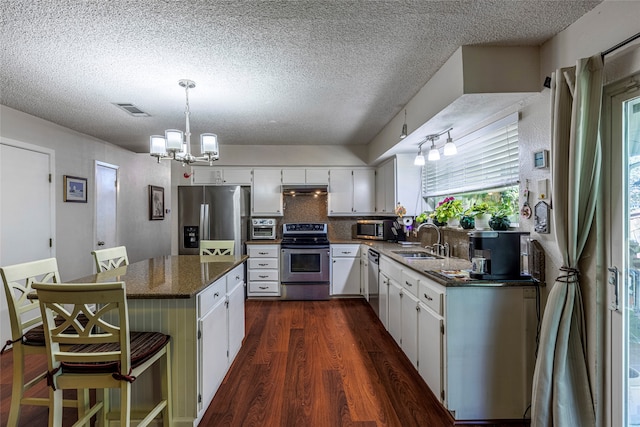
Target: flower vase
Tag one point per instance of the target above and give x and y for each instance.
(482, 222)
(453, 222)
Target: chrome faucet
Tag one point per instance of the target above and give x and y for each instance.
(428, 224)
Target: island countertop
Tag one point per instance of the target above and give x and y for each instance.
(171, 276)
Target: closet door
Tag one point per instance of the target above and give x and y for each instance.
(26, 210)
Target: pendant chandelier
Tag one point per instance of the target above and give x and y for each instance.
(176, 145)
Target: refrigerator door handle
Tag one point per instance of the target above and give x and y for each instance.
(204, 222)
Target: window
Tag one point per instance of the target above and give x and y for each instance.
(486, 168)
(486, 159)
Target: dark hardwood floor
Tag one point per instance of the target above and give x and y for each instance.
(303, 363)
(322, 363)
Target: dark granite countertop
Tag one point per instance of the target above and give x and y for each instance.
(178, 276)
(448, 271)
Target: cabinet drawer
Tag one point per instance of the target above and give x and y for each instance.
(345, 251)
(432, 297)
(263, 264)
(264, 287)
(258, 275)
(208, 298)
(410, 282)
(260, 251)
(235, 276)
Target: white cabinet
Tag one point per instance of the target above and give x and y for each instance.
(399, 181)
(212, 342)
(235, 310)
(409, 326)
(364, 271)
(383, 300)
(395, 310)
(221, 175)
(305, 176)
(351, 191)
(473, 346)
(345, 269)
(263, 269)
(430, 349)
(386, 187)
(266, 192)
(220, 331)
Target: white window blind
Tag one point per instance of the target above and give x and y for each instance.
(487, 158)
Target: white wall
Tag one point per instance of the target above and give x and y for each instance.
(75, 154)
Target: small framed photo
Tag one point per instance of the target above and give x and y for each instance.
(541, 159)
(75, 189)
(156, 202)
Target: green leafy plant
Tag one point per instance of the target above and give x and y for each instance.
(447, 209)
(423, 217)
(478, 208)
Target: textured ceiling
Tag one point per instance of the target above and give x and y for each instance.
(267, 72)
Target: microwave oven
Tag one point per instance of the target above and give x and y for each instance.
(375, 229)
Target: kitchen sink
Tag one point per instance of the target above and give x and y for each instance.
(417, 255)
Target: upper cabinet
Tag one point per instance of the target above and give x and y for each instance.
(293, 176)
(266, 192)
(351, 191)
(221, 175)
(398, 180)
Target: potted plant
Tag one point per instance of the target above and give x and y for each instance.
(481, 212)
(448, 209)
(467, 220)
(500, 218)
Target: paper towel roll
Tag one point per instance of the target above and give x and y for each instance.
(407, 220)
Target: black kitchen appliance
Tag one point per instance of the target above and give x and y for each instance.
(499, 254)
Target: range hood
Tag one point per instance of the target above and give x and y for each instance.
(304, 189)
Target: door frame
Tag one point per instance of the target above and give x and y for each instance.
(52, 188)
(616, 361)
(95, 203)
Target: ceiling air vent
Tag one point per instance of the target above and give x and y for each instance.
(132, 109)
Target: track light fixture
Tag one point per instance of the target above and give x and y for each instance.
(403, 134)
(450, 148)
(419, 160)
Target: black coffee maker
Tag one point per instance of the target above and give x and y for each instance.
(496, 255)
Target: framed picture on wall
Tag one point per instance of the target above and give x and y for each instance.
(75, 189)
(156, 202)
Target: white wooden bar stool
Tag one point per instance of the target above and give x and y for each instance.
(110, 258)
(27, 332)
(103, 354)
(216, 247)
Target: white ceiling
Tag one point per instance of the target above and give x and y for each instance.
(267, 72)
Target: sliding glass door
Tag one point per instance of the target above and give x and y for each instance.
(623, 288)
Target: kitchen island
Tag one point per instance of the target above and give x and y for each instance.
(199, 302)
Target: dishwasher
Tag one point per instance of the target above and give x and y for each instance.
(374, 285)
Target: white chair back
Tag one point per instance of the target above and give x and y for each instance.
(110, 258)
(217, 247)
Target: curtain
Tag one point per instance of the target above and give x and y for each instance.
(561, 392)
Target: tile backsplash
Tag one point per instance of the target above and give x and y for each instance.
(311, 208)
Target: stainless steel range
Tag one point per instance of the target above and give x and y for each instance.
(304, 262)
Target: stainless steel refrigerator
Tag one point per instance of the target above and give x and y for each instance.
(212, 213)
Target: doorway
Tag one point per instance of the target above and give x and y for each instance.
(106, 224)
(27, 210)
(622, 113)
